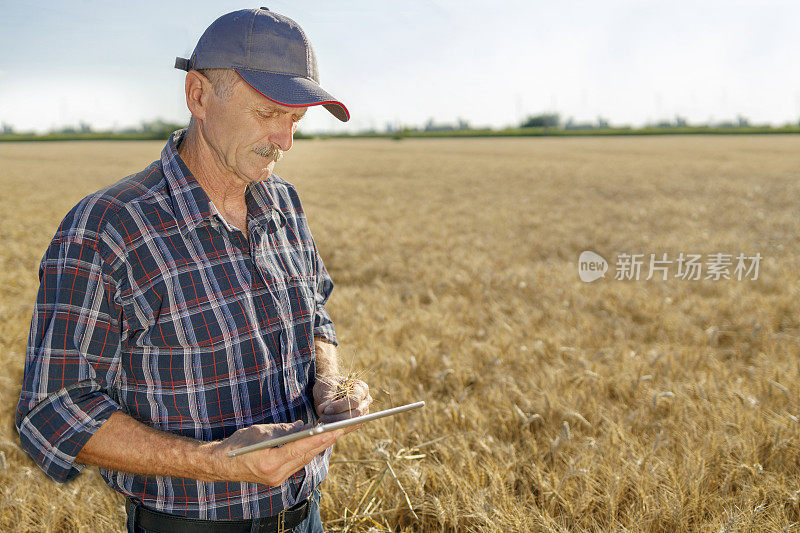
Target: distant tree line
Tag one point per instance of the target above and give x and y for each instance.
(148, 129)
(553, 120)
(549, 123)
(156, 129)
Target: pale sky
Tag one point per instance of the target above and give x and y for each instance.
(630, 61)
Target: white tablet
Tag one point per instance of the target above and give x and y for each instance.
(323, 428)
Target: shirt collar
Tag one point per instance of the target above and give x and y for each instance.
(262, 208)
(225, 223)
(190, 202)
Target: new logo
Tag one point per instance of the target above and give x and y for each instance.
(591, 266)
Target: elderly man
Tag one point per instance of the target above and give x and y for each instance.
(181, 312)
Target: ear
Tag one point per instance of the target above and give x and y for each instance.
(198, 93)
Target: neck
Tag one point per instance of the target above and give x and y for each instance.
(222, 186)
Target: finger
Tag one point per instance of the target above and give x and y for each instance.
(348, 403)
(286, 428)
(327, 419)
(310, 444)
(359, 410)
(295, 455)
(302, 427)
(260, 432)
(354, 410)
(345, 404)
(352, 405)
(360, 389)
(299, 453)
(321, 407)
(334, 437)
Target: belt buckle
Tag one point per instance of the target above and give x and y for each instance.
(282, 521)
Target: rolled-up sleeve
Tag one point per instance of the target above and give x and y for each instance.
(72, 357)
(323, 325)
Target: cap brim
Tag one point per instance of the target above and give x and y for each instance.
(293, 91)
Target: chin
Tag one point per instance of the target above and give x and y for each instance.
(263, 173)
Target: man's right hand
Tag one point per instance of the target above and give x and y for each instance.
(125, 444)
(270, 466)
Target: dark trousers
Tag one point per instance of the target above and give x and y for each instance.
(312, 523)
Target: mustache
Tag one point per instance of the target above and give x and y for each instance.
(270, 152)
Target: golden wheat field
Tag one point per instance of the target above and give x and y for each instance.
(552, 404)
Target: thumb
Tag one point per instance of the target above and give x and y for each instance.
(287, 427)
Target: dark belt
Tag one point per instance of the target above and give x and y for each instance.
(169, 523)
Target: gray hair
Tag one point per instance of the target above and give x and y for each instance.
(223, 80)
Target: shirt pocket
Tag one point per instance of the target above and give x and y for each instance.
(207, 324)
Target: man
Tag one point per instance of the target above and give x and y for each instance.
(181, 312)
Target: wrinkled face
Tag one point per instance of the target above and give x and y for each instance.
(248, 132)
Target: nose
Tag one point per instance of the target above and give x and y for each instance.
(283, 136)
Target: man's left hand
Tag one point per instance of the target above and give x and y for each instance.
(332, 407)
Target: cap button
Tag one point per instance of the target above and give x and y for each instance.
(264, 8)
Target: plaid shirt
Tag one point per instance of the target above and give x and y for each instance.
(149, 304)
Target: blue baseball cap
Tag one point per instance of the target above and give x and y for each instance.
(270, 52)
